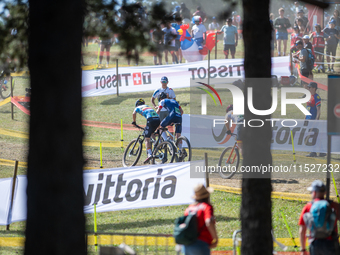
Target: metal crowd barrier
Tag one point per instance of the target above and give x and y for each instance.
(140, 243)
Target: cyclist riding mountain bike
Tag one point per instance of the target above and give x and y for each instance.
(175, 114)
(152, 123)
(233, 119)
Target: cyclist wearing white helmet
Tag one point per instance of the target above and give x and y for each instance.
(168, 91)
(199, 32)
(231, 118)
(152, 123)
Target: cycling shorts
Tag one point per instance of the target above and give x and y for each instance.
(173, 119)
(151, 125)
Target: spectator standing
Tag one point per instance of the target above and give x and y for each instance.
(170, 35)
(214, 25)
(200, 13)
(329, 245)
(230, 38)
(272, 41)
(281, 25)
(158, 39)
(178, 50)
(301, 26)
(272, 18)
(318, 42)
(236, 19)
(177, 12)
(294, 37)
(304, 21)
(199, 32)
(207, 237)
(302, 56)
(336, 18)
(185, 13)
(170, 93)
(331, 37)
(314, 107)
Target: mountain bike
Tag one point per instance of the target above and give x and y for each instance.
(229, 161)
(182, 145)
(162, 152)
(5, 86)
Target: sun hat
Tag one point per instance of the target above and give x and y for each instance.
(201, 192)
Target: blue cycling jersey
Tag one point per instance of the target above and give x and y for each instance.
(146, 111)
(172, 106)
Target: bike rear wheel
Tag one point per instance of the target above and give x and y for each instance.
(183, 154)
(229, 162)
(5, 89)
(132, 153)
(164, 153)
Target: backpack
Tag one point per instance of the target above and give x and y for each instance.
(310, 60)
(320, 219)
(186, 229)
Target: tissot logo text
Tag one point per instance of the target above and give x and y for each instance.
(124, 79)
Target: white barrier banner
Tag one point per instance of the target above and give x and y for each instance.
(117, 189)
(308, 135)
(147, 78)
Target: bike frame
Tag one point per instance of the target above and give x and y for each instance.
(232, 150)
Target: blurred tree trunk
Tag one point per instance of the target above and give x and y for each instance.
(55, 218)
(256, 188)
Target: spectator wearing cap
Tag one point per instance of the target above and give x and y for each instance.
(207, 237)
(329, 245)
(200, 13)
(230, 38)
(214, 25)
(307, 44)
(170, 93)
(302, 55)
(236, 19)
(281, 24)
(331, 37)
(314, 108)
(294, 37)
(304, 21)
(318, 42)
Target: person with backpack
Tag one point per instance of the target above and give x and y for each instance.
(320, 217)
(207, 235)
(306, 59)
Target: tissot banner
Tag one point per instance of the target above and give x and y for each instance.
(147, 78)
(308, 135)
(116, 189)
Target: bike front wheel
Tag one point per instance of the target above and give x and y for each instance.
(132, 153)
(229, 162)
(164, 153)
(5, 88)
(183, 149)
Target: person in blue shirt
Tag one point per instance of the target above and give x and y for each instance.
(175, 114)
(152, 123)
(230, 38)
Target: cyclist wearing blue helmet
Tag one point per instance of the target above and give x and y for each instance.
(232, 118)
(168, 91)
(152, 123)
(175, 114)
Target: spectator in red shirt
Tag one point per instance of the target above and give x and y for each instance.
(330, 245)
(207, 238)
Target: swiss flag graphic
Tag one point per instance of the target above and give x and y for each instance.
(137, 78)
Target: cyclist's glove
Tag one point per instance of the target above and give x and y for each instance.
(134, 123)
(228, 132)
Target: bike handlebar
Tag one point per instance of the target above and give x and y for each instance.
(139, 127)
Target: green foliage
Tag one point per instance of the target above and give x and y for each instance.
(14, 35)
